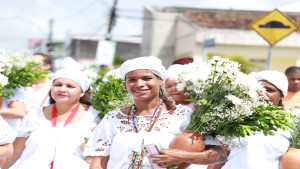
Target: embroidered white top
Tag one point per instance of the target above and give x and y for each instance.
(116, 137)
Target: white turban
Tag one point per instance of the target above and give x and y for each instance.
(173, 71)
(74, 74)
(278, 79)
(69, 62)
(150, 63)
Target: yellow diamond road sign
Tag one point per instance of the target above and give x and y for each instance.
(274, 26)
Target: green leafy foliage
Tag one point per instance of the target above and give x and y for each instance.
(26, 76)
(296, 137)
(264, 118)
(4, 93)
(101, 73)
(110, 95)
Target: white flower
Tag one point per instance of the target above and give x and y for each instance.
(3, 80)
(13, 61)
(235, 100)
(180, 86)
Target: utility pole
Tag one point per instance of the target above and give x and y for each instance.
(112, 20)
(49, 43)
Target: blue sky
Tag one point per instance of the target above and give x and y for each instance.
(22, 20)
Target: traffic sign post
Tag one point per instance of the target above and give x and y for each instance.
(273, 27)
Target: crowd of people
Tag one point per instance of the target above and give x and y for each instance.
(44, 126)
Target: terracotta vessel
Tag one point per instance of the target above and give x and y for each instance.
(1, 101)
(290, 160)
(188, 141)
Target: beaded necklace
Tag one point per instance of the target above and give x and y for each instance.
(137, 158)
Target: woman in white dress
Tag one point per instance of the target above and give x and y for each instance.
(118, 140)
(263, 152)
(7, 136)
(54, 134)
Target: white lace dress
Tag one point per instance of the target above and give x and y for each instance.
(6, 133)
(115, 135)
(44, 141)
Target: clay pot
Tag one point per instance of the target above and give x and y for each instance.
(290, 160)
(1, 101)
(188, 141)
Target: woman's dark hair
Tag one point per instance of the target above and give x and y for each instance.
(183, 61)
(84, 99)
(170, 105)
(280, 103)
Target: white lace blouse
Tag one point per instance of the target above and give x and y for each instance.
(115, 135)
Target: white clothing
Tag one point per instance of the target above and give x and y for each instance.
(6, 133)
(20, 96)
(74, 74)
(44, 140)
(115, 135)
(262, 152)
(150, 63)
(195, 166)
(37, 97)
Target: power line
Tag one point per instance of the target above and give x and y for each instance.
(82, 9)
(97, 30)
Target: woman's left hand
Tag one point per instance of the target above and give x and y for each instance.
(167, 158)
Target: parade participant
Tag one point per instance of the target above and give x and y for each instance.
(118, 140)
(171, 80)
(38, 93)
(6, 138)
(54, 134)
(293, 94)
(263, 151)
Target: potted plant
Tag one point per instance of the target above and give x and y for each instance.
(228, 106)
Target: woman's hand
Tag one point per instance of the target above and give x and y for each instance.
(211, 155)
(169, 157)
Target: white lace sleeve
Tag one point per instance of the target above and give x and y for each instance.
(100, 142)
(184, 112)
(6, 133)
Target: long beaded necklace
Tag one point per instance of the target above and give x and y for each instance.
(137, 158)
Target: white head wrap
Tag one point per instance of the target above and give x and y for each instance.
(150, 63)
(278, 79)
(173, 71)
(78, 76)
(69, 62)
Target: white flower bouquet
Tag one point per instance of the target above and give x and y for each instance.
(227, 102)
(3, 83)
(20, 70)
(295, 143)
